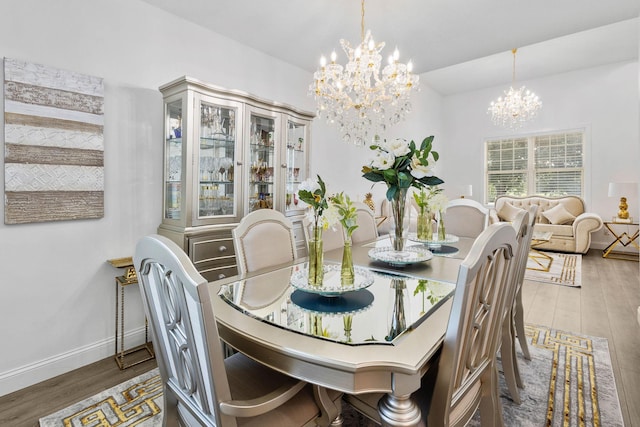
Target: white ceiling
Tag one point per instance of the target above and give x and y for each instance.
(461, 45)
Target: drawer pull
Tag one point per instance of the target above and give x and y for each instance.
(221, 276)
(222, 248)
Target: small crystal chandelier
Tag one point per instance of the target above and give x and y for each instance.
(362, 101)
(517, 106)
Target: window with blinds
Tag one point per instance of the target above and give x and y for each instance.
(549, 165)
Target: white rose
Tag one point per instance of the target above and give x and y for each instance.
(398, 147)
(330, 216)
(310, 185)
(418, 170)
(383, 160)
(439, 202)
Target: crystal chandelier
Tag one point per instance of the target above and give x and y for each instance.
(517, 106)
(362, 101)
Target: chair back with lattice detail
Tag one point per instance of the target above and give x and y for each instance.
(192, 379)
(467, 374)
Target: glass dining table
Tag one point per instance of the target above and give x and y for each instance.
(378, 336)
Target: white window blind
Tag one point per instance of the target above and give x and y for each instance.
(549, 165)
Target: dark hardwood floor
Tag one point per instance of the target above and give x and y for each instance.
(605, 306)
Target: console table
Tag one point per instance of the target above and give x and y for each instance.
(622, 237)
(128, 278)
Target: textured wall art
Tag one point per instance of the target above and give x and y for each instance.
(54, 145)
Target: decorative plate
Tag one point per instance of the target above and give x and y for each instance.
(348, 303)
(450, 238)
(410, 255)
(331, 284)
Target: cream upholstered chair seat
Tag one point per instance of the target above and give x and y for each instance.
(200, 386)
(466, 218)
(264, 238)
(465, 377)
(565, 217)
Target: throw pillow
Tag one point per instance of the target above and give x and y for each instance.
(508, 212)
(559, 215)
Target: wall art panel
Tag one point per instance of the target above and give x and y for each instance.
(54, 145)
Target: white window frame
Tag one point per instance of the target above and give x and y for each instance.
(531, 171)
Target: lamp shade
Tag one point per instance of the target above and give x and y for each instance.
(465, 190)
(623, 189)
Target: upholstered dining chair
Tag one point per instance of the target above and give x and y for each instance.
(466, 218)
(200, 387)
(465, 376)
(367, 228)
(263, 238)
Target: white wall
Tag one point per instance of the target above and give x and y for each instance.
(602, 100)
(58, 298)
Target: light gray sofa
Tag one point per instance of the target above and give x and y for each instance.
(564, 216)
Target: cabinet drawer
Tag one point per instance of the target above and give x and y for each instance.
(211, 247)
(218, 273)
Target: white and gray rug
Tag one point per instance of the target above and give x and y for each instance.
(569, 383)
(565, 269)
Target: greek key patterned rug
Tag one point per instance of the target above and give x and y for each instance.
(568, 383)
(563, 269)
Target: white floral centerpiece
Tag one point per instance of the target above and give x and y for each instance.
(402, 165)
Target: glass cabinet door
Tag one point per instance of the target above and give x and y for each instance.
(217, 195)
(262, 160)
(296, 164)
(173, 160)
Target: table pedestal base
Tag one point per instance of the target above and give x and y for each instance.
(399, 411)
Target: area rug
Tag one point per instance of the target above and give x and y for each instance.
(568, 383)
(564, 269)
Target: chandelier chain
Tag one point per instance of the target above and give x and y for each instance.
(362, 21)
(513, 75)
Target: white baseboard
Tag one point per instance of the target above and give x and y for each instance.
(33, 373)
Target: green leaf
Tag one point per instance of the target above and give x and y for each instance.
(436, 156)
(391, 192)
(404, 180)
(426, 144)
(391, 176)
(323, 189)
(431, 180)
(374, 176)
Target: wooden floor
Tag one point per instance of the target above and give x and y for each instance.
(605, 306)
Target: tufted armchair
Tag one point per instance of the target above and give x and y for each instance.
(564, 216)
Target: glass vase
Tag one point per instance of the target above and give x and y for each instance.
(399, 309)
(442, 234)
(315, 257)
(424, 226)
(401, 220)
(347, 275)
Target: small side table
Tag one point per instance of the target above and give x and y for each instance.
(128, 278)
(537, 239)
(622, 238)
